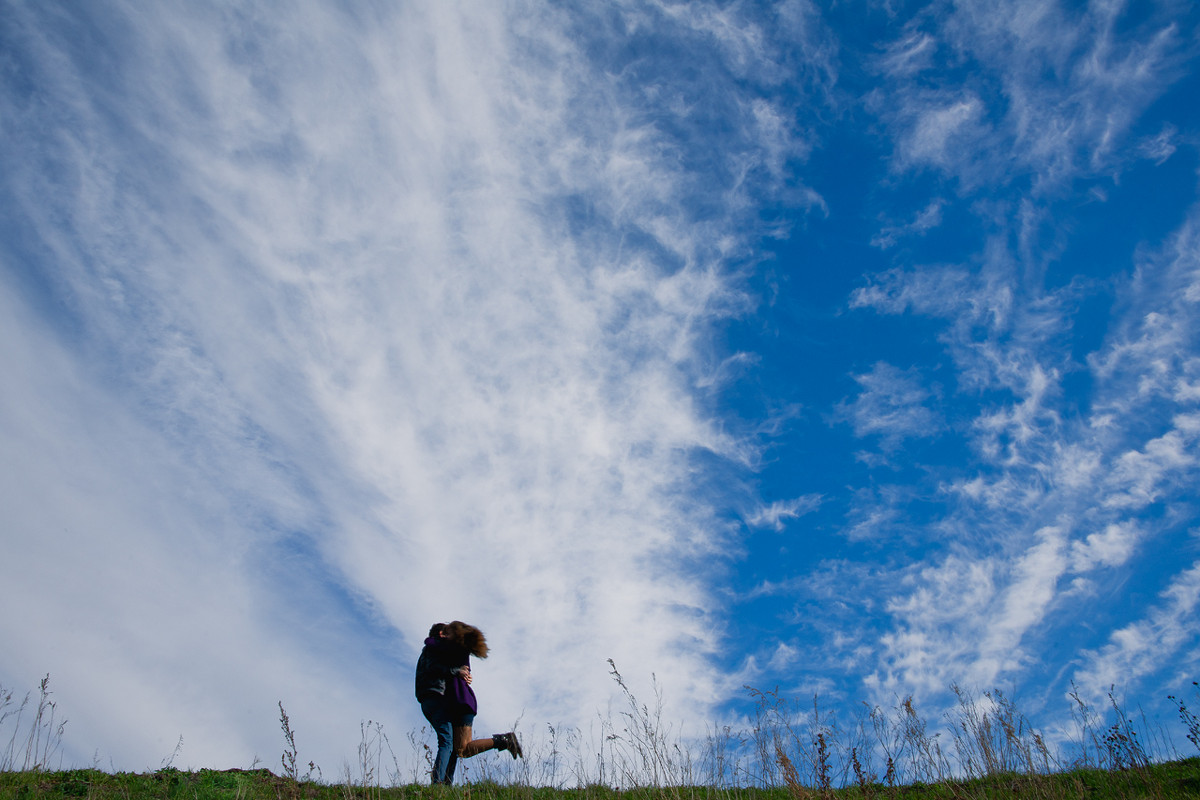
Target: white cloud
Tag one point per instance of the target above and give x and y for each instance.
(966, 619)
(911, 53)
(1079, 482)
(936, 291)
(940, 128)
(1005, 429)
(390, 317)
(1145, 645)
(1076, 466)
(137, 592)
(926, 649)
(1161, 147)
(775, 514)
(893, 404)
(1139, 476)
(1025, 601)
(928, 218)
(1062, 89)
(870, 522)
(1110, 547)
(1050, 516)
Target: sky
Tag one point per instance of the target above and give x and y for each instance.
(846, 348)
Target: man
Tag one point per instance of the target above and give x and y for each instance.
(433, 671)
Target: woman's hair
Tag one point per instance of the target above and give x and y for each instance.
(468, 637)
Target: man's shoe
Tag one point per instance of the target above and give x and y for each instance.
(508, 741)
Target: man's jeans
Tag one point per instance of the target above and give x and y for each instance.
(434, 708)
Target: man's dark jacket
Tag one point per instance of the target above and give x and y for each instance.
(433, 669)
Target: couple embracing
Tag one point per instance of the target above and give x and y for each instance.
(447, 700)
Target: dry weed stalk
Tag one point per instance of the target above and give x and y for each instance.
(1187, 717)
(370, 765)
(791, 777)
(288, 759)
(992, 738)
(45, 731)
(644, 748)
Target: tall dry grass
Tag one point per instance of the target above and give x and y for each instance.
(874, 750)
(36, 730)
(981, 743)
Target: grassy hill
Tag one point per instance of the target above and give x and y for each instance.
(1175, 779)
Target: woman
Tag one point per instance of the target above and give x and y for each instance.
(461, 642)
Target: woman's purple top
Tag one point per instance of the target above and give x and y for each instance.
(458, 692)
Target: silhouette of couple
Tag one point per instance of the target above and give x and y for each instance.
(443, 687)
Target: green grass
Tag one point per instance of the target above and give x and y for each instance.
(1174, 779)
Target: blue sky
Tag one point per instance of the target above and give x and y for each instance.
(847, 348)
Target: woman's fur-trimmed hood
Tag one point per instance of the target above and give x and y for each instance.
(467, 637)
